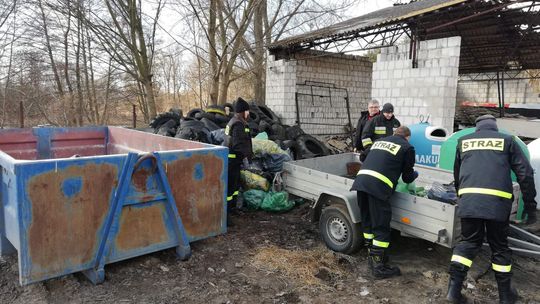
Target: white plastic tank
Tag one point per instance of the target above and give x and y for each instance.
(534, 150)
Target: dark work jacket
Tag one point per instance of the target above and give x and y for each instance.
(482, 168)
(389, 159)
(238, 139)
(377, 128)
(360, 125)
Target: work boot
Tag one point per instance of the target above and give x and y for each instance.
(454, 292)
(458, 273)
(368, 244)
(379, 268)
(507, 293)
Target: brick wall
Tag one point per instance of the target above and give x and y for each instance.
(322, 82)
(430, 89)
(481, 89)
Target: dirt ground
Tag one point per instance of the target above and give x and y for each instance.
(272, 258)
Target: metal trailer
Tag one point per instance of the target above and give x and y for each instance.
(75, 199)
(324, 181)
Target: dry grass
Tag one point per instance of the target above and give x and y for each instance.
(298, 265)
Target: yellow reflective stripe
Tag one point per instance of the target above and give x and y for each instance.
(215, 111)
(461, 260)
(246, 130)
(485, 191)
(229, 198)
(369, 236)
(379, 132)
(501, 268)
(366, 141)
(232, 155)
(381, 244)
(376, 174)
(236, 192)
(227, 130)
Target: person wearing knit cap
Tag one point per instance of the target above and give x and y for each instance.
(379, 127)
(482, 167)
(238, 140)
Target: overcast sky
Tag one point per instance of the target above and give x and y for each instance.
(169, 19)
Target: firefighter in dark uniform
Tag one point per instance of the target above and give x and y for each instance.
(379, 127)
(482, 168)
(375, 183)
(365, 116)
(238, 140)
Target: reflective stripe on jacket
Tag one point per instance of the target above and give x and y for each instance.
(389, 159)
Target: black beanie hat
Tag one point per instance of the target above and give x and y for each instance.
(486, 122)
(388, 108)
(240, 105)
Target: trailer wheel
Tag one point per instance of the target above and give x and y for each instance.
(338, 231)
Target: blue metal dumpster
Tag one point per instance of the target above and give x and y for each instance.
(75, 199)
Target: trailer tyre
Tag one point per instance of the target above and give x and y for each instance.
(338, 231)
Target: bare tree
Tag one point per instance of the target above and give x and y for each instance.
(130, 45)
(238, 32)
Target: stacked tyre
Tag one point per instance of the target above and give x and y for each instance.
(198, 124)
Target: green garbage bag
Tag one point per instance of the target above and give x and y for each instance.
(262, 135)
(277, 202)
(410, 188)
(254, 198)
(250, 180)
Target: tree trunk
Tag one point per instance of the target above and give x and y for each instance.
(258, 62)
(214, 68)
(80, 97)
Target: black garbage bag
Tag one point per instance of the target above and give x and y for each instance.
(445, 193)
(217, 136)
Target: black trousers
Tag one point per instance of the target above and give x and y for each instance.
(375, 215)
(233, 184)
(473, 233)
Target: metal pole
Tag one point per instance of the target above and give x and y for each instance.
(297, 109)
(499, 92)
(134, 108)
(21, 114)
(501, 109)
(349, 116)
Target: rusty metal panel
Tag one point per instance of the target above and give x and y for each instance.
(63, 208)
(199, 185)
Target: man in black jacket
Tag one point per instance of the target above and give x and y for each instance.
(365, 116)
(484, 161)
(238, 140)
(389, 159)
(379, 127)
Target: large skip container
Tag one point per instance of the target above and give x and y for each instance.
(75, 199)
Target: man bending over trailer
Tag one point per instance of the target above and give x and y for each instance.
(389, 159)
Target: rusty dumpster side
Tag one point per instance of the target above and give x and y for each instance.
(59, 185)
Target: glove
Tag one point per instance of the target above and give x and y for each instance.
(531, 216)
(245, 163)
(415, 174)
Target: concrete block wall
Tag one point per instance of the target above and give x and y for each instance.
(484, 90)
(430, 89)
(322, 81)
(281, 88)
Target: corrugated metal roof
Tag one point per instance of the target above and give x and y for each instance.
(375, 19)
